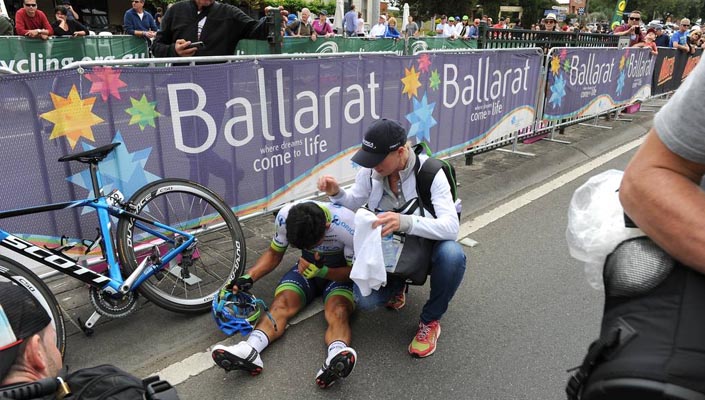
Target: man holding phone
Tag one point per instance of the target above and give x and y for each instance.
(219, 27)
(631, 28)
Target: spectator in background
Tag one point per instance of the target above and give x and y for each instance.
(679, 39)
(350, 22)
(380, 29)
(302, 26)
(695, 39)
(223, 25)
(662, 38)
(71, 14)
(550, 22)
(442, 29)
(6, 28)
(412, 29)
(649, 41)
(631, 28)
(360, 30)
(32, 23)
(139, 22)
(321, 25)
(158, 17)
(392, 31)
(474, 30)
(65, 27)
(464, 28)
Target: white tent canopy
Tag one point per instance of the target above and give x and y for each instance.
(338, 23)
(405, 17)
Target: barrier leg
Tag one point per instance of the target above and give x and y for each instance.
(595, 124)
(514, 147)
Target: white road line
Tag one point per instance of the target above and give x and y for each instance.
(515, 204)
(195, 364)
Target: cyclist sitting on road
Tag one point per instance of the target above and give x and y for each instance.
(324, 233)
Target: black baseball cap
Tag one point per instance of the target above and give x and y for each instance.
(21, 316)
(382, 137)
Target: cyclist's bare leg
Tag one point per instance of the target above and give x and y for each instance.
(285, 306)
(338, 310)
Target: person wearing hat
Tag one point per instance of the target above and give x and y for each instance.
(385, 182)
(321, 25)
(28, 350)
(631, 28)
(662, 38)
(463, 30)
(29, 353)
(649, 41)
(380, 28)
(550, 22)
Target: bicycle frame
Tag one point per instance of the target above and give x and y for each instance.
(114, 282)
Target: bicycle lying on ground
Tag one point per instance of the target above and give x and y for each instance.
(177, 243)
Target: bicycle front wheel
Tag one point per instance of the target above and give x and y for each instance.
(188, 283)
(12, 271)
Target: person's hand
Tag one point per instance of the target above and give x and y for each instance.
(181, 48)
(389, 221)
(329, 185)
(244, 283)
(150, 34)
(79, 33)
(310, 270)
(32, 33)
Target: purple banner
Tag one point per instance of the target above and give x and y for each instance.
(588, 81)
(257, 132)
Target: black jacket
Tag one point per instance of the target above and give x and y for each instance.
(225, 26)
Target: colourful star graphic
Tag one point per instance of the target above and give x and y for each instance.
(435, 80)
(120, 170)
(411, 82)
(72, 117)
(621, 63)
(566, 66)
(557, 91)
(620, 82)
(555, 65)
(106, 81)
(424, 62)
(143, 112)
(421, 120)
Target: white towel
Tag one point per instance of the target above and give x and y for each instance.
(368, 271)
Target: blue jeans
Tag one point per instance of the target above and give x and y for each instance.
(447, 270)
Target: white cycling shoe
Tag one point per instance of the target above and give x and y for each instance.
(238, 357)
(338, 365)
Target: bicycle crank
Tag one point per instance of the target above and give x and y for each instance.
(113, 306)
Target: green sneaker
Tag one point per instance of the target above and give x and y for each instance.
(424, 343)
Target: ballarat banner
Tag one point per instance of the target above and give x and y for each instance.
(257, 132)
(21, 54)
(587, 81)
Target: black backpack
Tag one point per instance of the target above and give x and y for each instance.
(104, 382)
(652, 341)
(428, 171)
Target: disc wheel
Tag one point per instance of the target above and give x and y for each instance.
(189, 282)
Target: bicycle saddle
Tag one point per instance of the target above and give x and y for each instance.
(93, 156)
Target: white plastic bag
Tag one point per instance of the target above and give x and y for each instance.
(596, 223)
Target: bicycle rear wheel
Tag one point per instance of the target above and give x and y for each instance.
(219, 254)
(13, 271)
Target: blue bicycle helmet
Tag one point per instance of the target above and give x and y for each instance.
(236, 312)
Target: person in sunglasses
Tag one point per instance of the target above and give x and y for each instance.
(32, 23)
(631, 28)
(679, 39)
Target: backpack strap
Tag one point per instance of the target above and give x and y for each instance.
(424, 179)
(600, 349)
